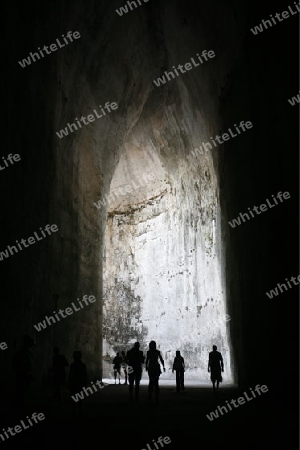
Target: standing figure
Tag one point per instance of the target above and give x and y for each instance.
(77, 377)
(124, 366)
(215, 366)
(153, 369)
(135, 360)
(58, 373)
(178, 366)
(117, 361)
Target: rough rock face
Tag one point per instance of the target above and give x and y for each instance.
(162, 277)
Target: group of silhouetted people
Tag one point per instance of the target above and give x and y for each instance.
(133, 367)
(77, 376)
(24, 373)
(131, 362)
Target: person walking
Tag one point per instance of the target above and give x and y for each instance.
(117, 361)
(135, 360)
(178, 366)
(215, 366)
(77, 378)
(153, 369)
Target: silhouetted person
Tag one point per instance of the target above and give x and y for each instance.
(124, 366)
(135, 360)
(215, 366)
(117, 361)
(178, 366)
(23, 366)
(77, 377)
(153, 369)
(59, 363)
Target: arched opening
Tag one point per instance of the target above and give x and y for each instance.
(162, 277)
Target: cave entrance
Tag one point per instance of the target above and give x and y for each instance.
(161, 269)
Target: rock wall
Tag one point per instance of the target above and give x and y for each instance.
(161, 274)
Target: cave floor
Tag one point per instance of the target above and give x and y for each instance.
(108, 414)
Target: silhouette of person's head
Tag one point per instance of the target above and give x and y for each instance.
(136, 346)
(117, 353)
(77, 355)
(123, 353)
(214, 348)
(152, 345)
(178, 353)
(28, 341)
(56, 351)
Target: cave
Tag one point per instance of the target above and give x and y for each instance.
(141, 165)
(161, 232)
